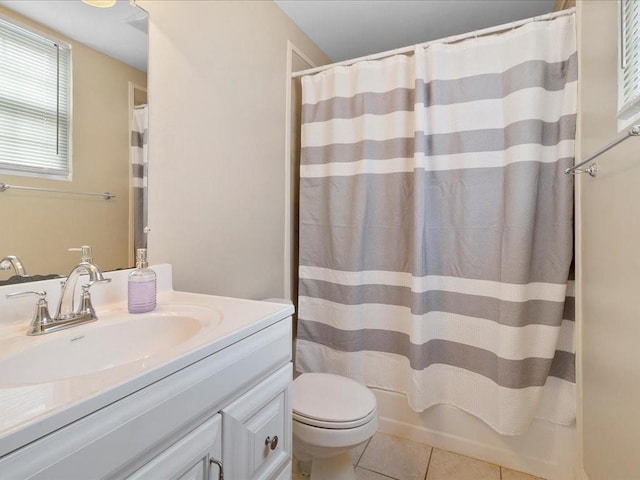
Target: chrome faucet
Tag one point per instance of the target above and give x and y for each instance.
(67, 315)
(12, 261)
(66, 306)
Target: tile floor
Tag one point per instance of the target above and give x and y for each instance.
(387, 457)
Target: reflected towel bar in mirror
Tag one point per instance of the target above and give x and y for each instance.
(593, 169)
(106, 195)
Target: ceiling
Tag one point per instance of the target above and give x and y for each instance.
(346, 29)
(119, 31)
(343, 29)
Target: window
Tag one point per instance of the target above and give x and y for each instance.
(629, 60)
(35, 103)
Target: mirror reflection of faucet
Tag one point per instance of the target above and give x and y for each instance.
(12, 261)
(67, 315)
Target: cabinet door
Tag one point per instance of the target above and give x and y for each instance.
(188, 458)
(257, 430)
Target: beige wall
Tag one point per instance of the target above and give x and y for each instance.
(217, 90)
(217, 83)
(609, 262)
(39, 227)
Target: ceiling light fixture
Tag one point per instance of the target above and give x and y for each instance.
(100, 3)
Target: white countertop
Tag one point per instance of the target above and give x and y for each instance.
(28, 412)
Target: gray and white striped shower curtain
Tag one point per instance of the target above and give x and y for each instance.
(436, 229)
(139, 168)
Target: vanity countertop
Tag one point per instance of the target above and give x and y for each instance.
(31, 410)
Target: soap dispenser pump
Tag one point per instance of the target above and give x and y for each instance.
(142, 285)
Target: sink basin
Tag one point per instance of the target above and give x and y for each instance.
(116, 339)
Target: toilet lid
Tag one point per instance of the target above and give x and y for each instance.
(328, 400)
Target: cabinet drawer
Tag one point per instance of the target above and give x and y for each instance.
(256, 430)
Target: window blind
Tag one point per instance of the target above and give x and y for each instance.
(35, 103)
(629, 71)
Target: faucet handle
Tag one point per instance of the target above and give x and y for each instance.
(87, 254)
(42, 295)
(86, 307)
(41, 316)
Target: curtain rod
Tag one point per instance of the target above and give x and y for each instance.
(451, 39)
(4, 187)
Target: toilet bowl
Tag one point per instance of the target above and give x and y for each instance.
(331, 415)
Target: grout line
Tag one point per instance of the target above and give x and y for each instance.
(378, 473)
(429, 463)
(364, 450)
(500, 467)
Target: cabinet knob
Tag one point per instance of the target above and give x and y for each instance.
(272, 443)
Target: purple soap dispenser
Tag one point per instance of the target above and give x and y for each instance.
(142, 285)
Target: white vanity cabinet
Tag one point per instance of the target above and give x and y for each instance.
(228, 407)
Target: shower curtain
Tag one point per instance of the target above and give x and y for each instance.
(139, 166)
(436, 233)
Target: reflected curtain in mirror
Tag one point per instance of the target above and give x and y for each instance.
(139, 167)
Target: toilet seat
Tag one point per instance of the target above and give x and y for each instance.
(330, 401)
(313, 422)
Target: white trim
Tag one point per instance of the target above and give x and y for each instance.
(628, 108)
(288, 160)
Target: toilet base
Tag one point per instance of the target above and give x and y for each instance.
(334, 468)
(304, 468)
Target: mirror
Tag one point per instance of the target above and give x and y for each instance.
(109, 61)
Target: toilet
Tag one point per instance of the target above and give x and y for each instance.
(331, 416)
